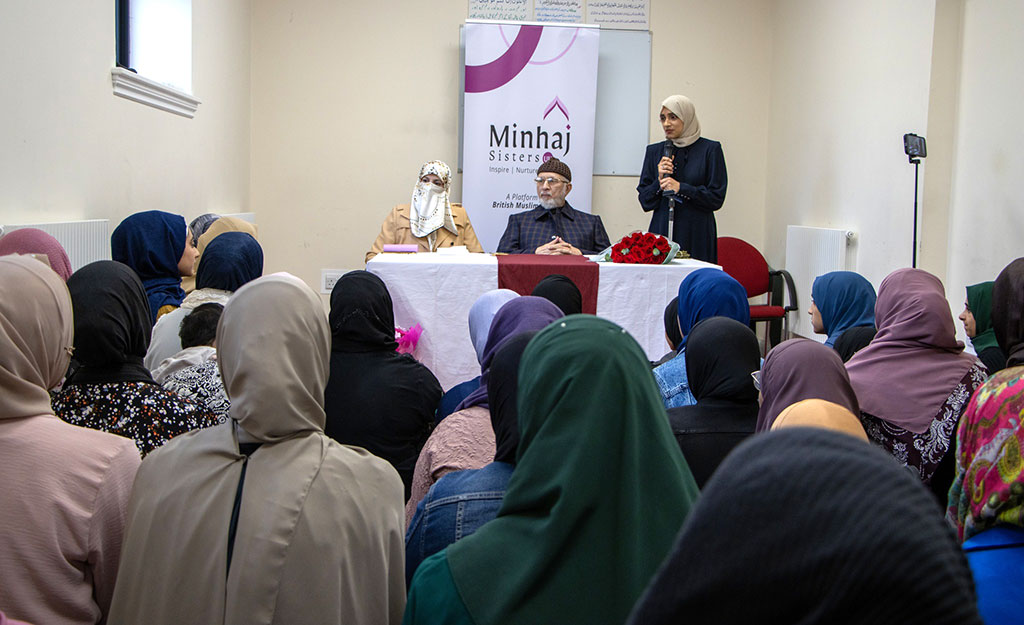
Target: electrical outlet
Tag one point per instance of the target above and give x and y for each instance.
(328, 277)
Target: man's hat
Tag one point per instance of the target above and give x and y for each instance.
(556, 166)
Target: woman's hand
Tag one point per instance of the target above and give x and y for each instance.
(665, 167)
(669, 184)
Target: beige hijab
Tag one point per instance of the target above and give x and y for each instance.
(683, 108)
(217, 228)
(36, 335)
(818, 413)
(319, 535)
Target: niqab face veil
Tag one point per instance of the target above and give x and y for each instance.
(430, 208)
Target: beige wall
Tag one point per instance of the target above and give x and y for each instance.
(73, 150)
(347, 106)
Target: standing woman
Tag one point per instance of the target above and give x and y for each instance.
(688, 170)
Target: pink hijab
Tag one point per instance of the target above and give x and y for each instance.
(908, 371)
(35, 241)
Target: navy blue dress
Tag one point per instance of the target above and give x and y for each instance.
(700, 170)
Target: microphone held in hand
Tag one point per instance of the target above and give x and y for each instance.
(669, 152)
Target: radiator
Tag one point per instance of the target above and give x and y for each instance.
(811, 252)
(85, 241)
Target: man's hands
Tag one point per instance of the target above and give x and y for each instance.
(557, 246)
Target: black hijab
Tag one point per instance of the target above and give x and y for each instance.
(807, 526)
(562, 292)
(501, 395)
(1008, 312)
(675, 337)
(112, 324)
(852, 340)
(362, 317)
(721, 353)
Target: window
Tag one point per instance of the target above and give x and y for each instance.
(154, 54)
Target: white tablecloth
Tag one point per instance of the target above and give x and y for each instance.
(437, 290)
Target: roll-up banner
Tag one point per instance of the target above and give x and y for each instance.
(530, 94)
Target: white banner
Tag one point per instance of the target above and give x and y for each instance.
(530, 94)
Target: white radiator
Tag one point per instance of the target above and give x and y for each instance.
(85, 241)
(811, 252)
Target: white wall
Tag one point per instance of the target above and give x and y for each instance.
(349, 100)
(73, 150)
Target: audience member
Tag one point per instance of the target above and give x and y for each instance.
(462, 501)
(562, 292)
(158, 247)
(818, 413)
(853, 340)
(35, 241)
(376, 398)
(198, 228)
(65, 488)
(800, 369)
(914, 380)
(465, 440)
(194, 373)
(229, 261)
(841, 300)
(722, 354)
(265, 519)
(813, 527)
(977, 320)
(672, 334)
(703, 293)
(480, 315)
(573, 542)
(110, 389)
(430, 221)
(1008, 312)
(986, 502)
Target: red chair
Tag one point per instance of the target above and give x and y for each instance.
(742, 261)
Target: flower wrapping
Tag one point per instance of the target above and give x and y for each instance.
(641, 248)
(408, 339)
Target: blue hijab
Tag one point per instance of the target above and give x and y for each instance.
(230, 260)
(845, 300)
(707, 293)
(151, 243)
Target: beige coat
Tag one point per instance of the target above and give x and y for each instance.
(396, 229)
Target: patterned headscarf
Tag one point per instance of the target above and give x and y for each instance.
(989, 485)
(430, 208)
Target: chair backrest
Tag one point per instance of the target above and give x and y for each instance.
(742, 261)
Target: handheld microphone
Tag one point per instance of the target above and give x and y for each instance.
(669, 151)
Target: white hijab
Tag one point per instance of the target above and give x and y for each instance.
(683, 109)
(430, 208)
(320, 528)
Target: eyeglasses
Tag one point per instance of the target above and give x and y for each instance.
(757, 379)
(549, 181)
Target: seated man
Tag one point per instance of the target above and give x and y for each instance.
(554, 227)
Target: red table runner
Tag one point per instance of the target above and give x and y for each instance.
(522, 272)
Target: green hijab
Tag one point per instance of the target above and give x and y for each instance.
(979, 300)
(599, 492)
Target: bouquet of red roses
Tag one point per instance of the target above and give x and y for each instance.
(642, 248)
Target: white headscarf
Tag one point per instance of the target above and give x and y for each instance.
(683, 109)
(430, 208)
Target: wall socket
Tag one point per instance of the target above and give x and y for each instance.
(328, 277)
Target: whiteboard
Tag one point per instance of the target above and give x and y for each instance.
(623, 118)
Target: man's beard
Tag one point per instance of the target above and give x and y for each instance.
(551, 203)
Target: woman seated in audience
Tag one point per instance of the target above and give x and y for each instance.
(465, 440)
(108, 388)
(264, 519)
(198, 228)
(977, 320)
(158, 247)
(800, 369)
(431, 221)
(460, 502)
(841, 300)
(65, 488)
(1008, 313)
(854, 340)
(914, 380)
(194, 373)
(818, 413)
(229, 261)
(35, 241)
(598, 493)
(481, 313)
(376, 398)
(814, 527)
(722, 353)
(562, 292)
(703, 293)
(986, 502)
(672, 334)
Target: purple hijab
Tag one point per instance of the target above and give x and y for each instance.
(908, 371)
(521, 314)
(35, 241)
(800, 369)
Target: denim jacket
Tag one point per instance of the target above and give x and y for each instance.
(455, 507)
(672, 382)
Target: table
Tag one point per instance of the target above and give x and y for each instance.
(437, 291)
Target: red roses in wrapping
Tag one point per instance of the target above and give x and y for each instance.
(641, 248)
